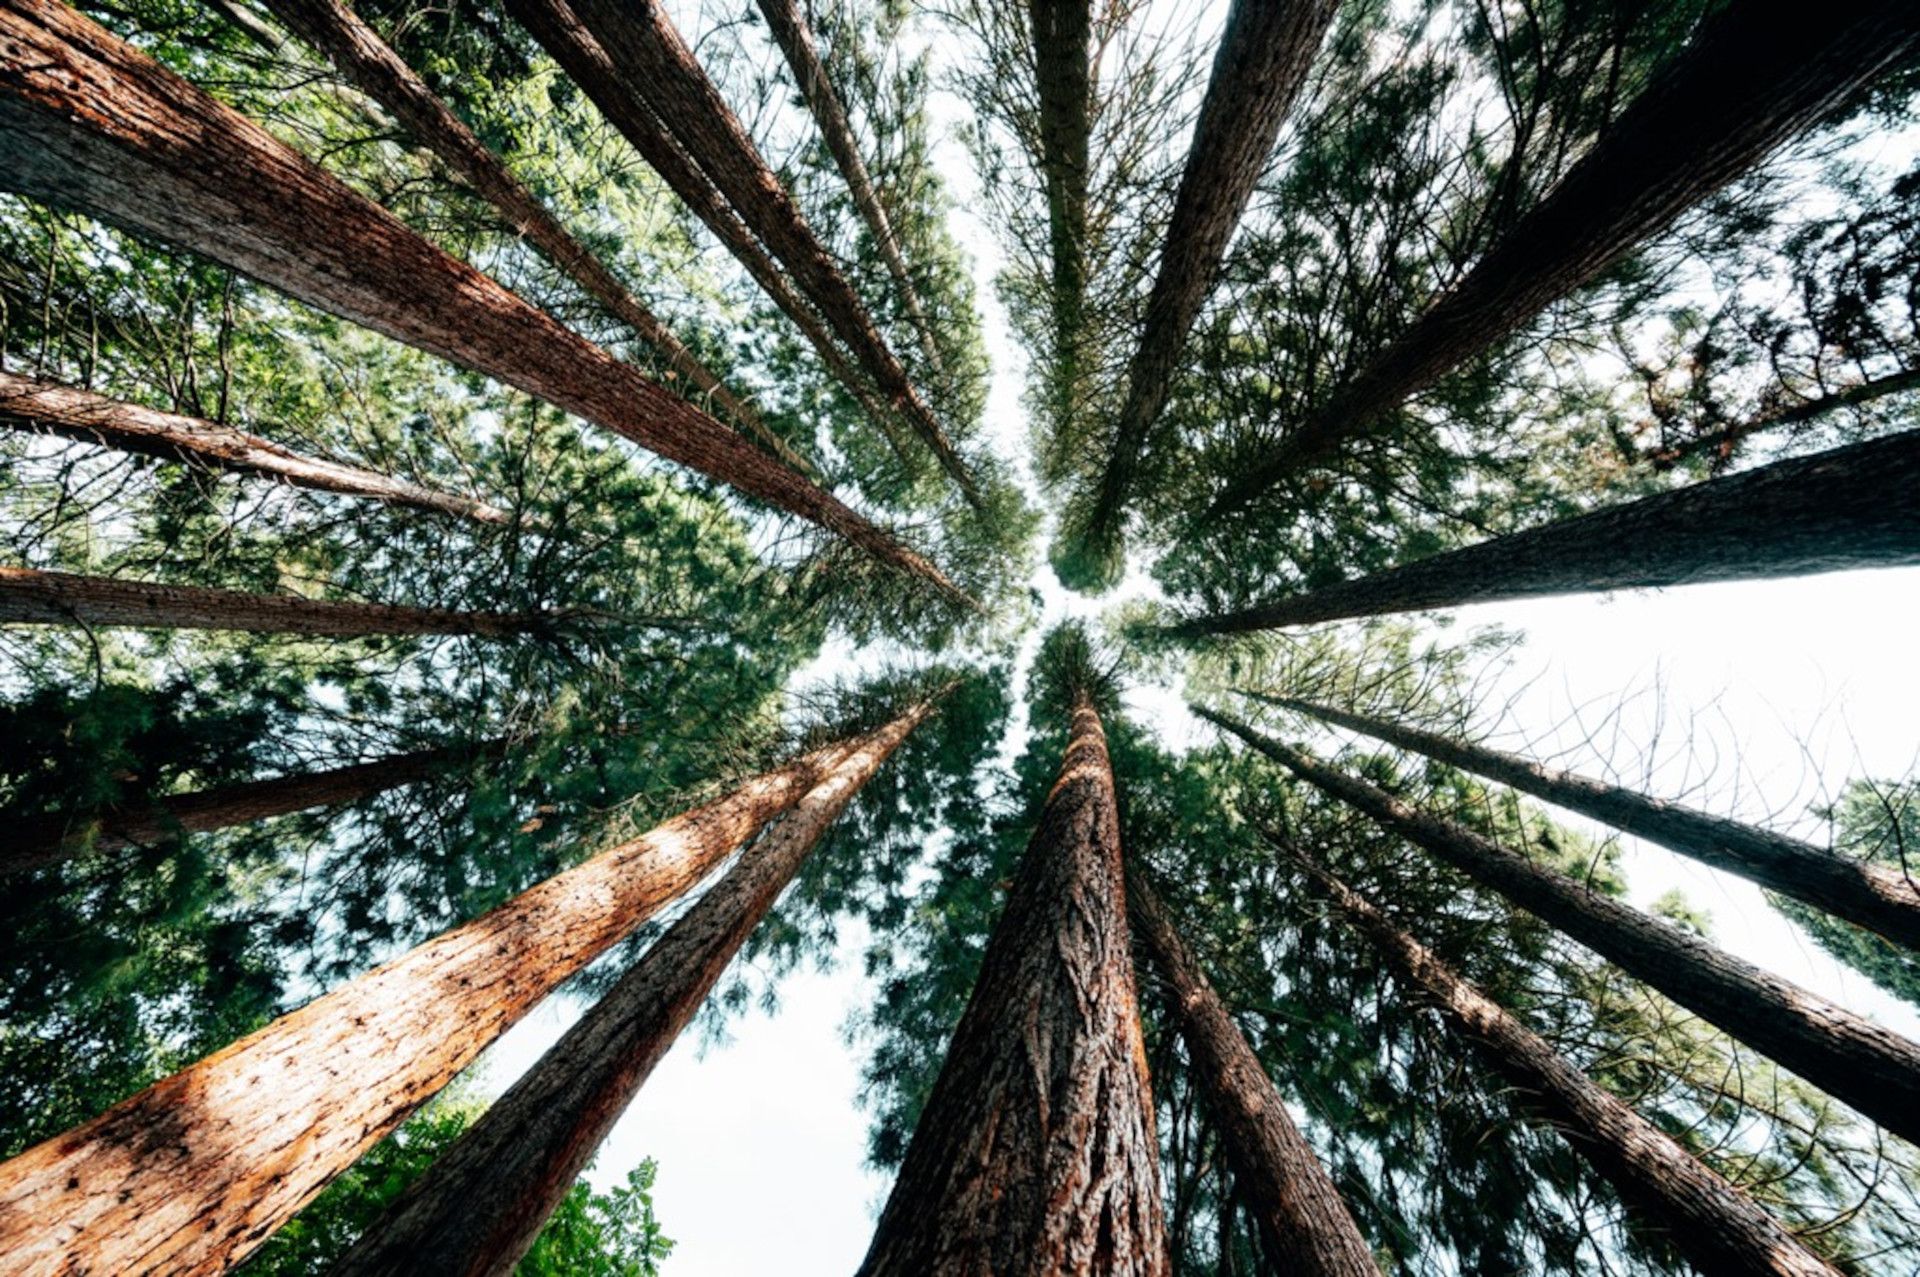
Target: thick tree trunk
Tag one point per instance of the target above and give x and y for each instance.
(1869, 895)
(195, 1172)
(1754, 77)
(1262, 61)
(1063, 66)
(26, 404)
(90, 123)
(655, 62)
(1304, 1227)
(1716, 1227)
(1836, 511)
(1721, 443)
(795, 38)
(1851, 1058)
(1036, 1151)
(484, 1200)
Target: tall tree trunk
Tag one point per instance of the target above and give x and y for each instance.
(484, 1200)
(192, 1174)
(1716, 1227)
(1721, 443)
(1036, 1151)
(1063, 65)
(1851, 1058)
(90, 123)
(1304, 1227)
(44, 406)
(1868, 895)
(376, 70)
(655, 62)
(1262, 61)
(1754, 77)
(795, 38)
(1836, 511)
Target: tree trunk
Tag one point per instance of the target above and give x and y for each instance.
(1304, 1227)
(1036, 1151)
(655, 62)
(1715, 1226)
(1872, 896)
(195, 1172)
(1753, 77)
(376, 70)
(1262, 62)
(1851, 1058)
(1722, 442)
(795, 38)
(90, 123)
(1835, 511)
(484, 1200)
(26, 404)
(1063, 65)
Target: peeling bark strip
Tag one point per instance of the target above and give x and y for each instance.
(1063, 79)
(1848, 1056)
(483, 1201)
(90, 123)
(1304, 1227)
(1867, 895)
(655, 62)
(50, 408)
(1754, 77)
(1719, 1229)
(1836, 511)
(1036, 1152)
(195, 1172)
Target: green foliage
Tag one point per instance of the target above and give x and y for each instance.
(1879, 823)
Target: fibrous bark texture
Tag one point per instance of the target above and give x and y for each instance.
(195, 1172)
(1836, 511)
(44, 406)
(1851, 1058)
(1036, 1151)
(1719, 1229)
(1868, 895)
(1303, 1225)
(1754, 77)
(90, 123)
(484, 1200)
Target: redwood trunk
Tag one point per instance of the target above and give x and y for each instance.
(1063, 66)
(1304, 1227)
(1719, 1229)
(195, 1172)
(26, 404)
(1851, 1058)
(88, 122)
(484, 1200)
(1036, 1151)
(1868, 895)
(1754, 77)
(1836, 511)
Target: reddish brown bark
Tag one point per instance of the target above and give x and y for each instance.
(1036, 1151)
(1718, 1228)
(92, 124)
(483, 1201)
(1848, 1056)
(196, 1171)
(1303, 1225)
(27, 404)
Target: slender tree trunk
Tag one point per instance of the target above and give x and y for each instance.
(1754, 77)
(90, 123)
(1721, 443)
(1716, 1227)
(1868, 895)
(1304, 1227)
(26, 404)
(1851, 1058)
(795, 38)
(1063, 66)
(484, 1200)
(655, 62)
(1836, 511)
(195, 1172)
(1036, 1151)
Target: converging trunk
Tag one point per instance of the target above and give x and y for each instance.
(1063, 64)
(1036, 1153)
(1721, 443)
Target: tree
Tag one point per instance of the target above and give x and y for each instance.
(1062, 34)
(1874, 826)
